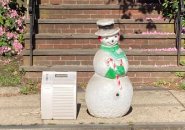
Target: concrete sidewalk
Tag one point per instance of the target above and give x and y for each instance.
(149, 107)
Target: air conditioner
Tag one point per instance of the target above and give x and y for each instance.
(58, 95)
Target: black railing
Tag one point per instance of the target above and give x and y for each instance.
(178, 26)
(32, 13)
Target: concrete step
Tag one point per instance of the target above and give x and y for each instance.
(98, 7)
(92, 36)
(91, 52)
(94, 43)
(75, 2)
(144, 75)
(89, 25)
(93, 21)
(97, 2)
(101, 126)
(79, 43)
(89, 68)
(99, 11)
(87, 41)
(85, 57)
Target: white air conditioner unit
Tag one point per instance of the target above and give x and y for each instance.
(58, 95)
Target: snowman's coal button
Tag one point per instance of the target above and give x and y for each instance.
(117, 94)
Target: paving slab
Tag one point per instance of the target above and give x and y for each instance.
(154, 106)
(9, 91)
(20, 110)
(179, 95)
(148, 107)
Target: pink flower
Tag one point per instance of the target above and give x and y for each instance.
(19, 22)
(13, 13)
(10, 35)
(17, 46)
(2, 31)
(15, 35)
(4, 49)
(21, 30)
(4, 3)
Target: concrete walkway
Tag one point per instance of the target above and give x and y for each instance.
(150, 107)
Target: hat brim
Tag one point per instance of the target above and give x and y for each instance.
(107, 32)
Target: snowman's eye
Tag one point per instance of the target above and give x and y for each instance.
(106, 38)
(116, 36)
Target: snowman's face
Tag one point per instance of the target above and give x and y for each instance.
(110, 40)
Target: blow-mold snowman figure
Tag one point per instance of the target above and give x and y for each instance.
(109, 91)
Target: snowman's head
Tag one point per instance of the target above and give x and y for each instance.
(109, 40)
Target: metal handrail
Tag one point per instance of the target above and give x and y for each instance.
(179, 29)
(32, 13)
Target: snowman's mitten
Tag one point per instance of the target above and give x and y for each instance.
(111, 74)
(120, 70)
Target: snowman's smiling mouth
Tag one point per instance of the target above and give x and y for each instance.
(110, 43)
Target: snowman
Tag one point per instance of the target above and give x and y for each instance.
(109, 91)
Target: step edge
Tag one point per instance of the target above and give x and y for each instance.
(92, 36)
(93, 21)
(89, 68)
(94, 6)
(91, 52)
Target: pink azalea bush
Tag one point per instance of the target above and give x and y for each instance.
(12, 26)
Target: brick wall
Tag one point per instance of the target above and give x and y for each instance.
(79, 2)
(88, 60)
(137, 78)
(95, 14)
(93, 43)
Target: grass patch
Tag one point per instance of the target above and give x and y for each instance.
(182, 62)
(29, 88)
(180, 74)
(10, 76)
(182, 85)
(161, 83)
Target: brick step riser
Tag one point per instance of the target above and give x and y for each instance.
(97, 14)
(92, 28)
(137, 78)
(94, 43)
(89, 2)
(88, 60)
(76, 2)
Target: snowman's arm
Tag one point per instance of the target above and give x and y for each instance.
(100, 63)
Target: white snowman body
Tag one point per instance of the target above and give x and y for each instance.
(109, 95)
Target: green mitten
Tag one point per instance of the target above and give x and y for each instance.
(120, 70)
(111, 74)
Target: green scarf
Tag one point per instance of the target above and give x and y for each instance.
(120, 70)
(112, 51)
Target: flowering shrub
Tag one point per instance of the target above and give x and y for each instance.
(170, 9)
(12, 25)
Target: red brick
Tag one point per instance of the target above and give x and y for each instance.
(162, 74)
(86, 62)
(149, 80)
(72, 62)
(86, 58)
(69, 2)
(68, 58)
(145, 58)
(54, 62)
(143, 74)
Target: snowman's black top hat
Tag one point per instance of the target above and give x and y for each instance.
(106, 28)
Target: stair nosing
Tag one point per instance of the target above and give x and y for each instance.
(91, 52)
(93, 21)
(94, 6)
(89, 68)
(92, 36)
